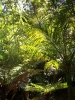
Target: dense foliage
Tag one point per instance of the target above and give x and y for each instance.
(38, 36)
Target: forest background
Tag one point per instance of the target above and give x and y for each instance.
(37, 45)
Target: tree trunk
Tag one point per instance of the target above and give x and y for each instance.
(69, 83)
(47, 96)
(3, 92)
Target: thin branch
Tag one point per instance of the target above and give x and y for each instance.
(72, 56)
(57, 49)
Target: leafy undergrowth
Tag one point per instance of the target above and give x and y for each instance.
(45, 88)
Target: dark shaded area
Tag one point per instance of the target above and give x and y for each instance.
(3, 91)
(10, 95)
(18, 95)
(60, 94)
(40, 65)
(13, 94)
(48, 77)
(33, 94)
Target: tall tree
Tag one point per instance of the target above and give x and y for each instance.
(56, 20)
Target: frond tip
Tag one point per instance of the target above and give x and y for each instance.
(53, 64)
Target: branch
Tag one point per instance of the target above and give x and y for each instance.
(57, 50)
(72, 56)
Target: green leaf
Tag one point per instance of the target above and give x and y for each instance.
(1, 57)
(46, 88)
(56, 86)
(34, 87)
(51, 64)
